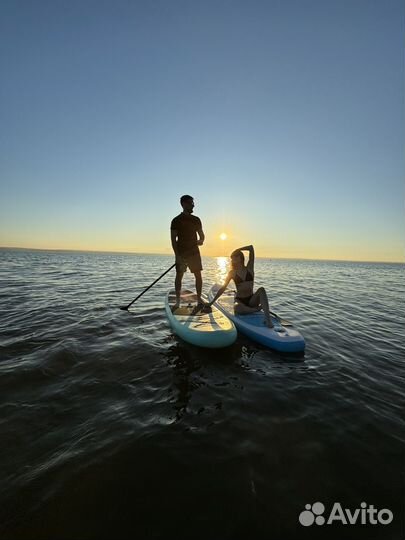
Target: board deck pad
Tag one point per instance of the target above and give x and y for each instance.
(191, 300)
(208, 329)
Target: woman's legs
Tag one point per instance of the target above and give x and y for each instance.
(242, 309)
(259, 298)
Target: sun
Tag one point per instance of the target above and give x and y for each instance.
(223, 236)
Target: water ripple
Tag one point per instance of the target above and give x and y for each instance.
(92, 392)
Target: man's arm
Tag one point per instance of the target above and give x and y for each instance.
(173, 234)
(201, 237)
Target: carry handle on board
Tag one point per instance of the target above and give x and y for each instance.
(125, 308)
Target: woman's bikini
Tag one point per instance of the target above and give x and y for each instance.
(237, 279)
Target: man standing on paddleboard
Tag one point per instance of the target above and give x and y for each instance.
(184, 230)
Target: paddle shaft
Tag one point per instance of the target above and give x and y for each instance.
(282, 321)
(147, 288)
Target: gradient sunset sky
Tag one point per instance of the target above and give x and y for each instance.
(284, 119)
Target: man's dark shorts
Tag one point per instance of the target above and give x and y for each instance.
(193, 262)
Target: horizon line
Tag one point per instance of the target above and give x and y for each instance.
(169, 254)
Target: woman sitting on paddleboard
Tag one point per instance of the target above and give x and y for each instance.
(246, 301)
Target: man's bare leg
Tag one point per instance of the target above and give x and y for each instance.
(177, 286)
(198, 286)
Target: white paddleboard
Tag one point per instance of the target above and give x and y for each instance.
(213, 330)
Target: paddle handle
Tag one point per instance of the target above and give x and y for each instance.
(151, 285)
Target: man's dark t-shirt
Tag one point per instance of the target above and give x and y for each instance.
(186, 226)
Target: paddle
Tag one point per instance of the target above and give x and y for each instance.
(283, 322)
(125, 308)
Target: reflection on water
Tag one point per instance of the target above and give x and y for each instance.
(184, 365)
(223, 264)
(188, 364)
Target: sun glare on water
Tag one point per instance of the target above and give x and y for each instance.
(222, 269)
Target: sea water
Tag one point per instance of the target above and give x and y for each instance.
(112, 427)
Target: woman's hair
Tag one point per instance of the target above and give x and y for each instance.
(239, 254)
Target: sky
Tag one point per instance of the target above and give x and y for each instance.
(284, 119)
